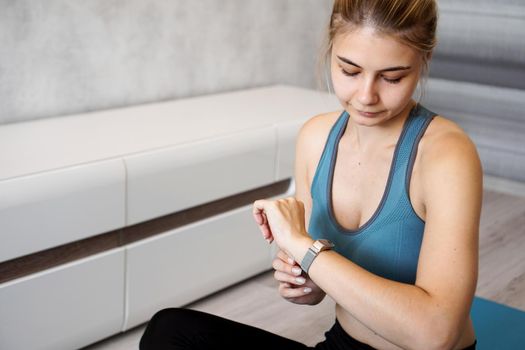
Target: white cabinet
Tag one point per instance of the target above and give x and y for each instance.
(67, 179)
(66, 307)
(185, 264)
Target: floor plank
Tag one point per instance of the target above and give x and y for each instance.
(502, 249)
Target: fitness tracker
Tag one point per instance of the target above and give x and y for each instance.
(312, 252)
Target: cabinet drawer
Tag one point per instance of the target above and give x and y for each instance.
(66, 307)
(185, 264)
(173, 179)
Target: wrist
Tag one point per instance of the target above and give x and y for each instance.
(301, 247)
(317, 247)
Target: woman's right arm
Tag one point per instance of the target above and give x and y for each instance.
(287, 271)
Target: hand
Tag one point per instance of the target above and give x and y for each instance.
(294, 285)
(282, 220)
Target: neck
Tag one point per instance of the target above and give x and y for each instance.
(366, 138)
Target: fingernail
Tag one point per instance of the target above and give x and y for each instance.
(307, 290)
(300, 280)
(296, 270)
(291, 261)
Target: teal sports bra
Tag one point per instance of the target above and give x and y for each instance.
(388, 244)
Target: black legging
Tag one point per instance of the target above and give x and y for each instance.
(190, 329)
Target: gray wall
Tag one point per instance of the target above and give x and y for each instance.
(480, 66)
(62, 57)
(481, 41)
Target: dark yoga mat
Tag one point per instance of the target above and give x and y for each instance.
(498, 327)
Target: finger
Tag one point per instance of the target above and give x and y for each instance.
(266, 232)
(282, 266)
(285, 257)
(261, 219)
(286, 278)
(258, 210)
(290, 292)
(289, 261)
(259, 216)
(259, 206)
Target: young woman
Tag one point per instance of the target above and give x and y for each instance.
(386, 213)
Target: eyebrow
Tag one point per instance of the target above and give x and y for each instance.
(389, 69)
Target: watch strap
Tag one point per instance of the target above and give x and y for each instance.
(308, 259)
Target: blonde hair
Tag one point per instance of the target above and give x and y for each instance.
(412, 22)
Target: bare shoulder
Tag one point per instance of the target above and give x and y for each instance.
(310, 144)
(314, 132)
(447, 152)
(444, 139)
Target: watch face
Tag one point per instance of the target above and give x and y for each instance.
(326, 243)
(323, 244)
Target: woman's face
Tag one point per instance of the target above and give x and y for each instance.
(374, 75)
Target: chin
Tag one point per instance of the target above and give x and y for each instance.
(368, 121)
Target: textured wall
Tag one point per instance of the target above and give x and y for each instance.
(62, 57)
(480, 63)
(481, 41)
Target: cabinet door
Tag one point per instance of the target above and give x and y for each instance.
(180, 266)
(66, 307)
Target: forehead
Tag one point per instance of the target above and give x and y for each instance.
(371, 49)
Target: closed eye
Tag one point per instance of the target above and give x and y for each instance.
(392, 81)
(348, 74)
(388, 80)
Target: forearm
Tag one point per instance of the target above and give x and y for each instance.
(403, 314)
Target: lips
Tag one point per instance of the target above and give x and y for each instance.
(368, 114)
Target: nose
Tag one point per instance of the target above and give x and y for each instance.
(367, 93)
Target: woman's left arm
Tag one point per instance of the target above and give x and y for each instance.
(432, 313)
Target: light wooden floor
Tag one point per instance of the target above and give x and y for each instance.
(256, 302)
